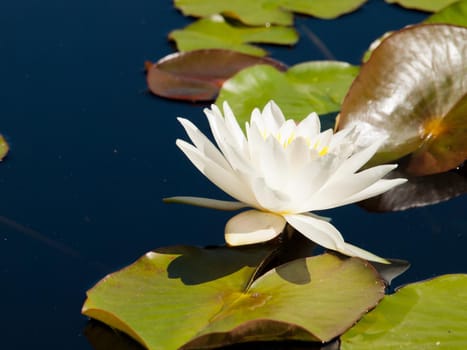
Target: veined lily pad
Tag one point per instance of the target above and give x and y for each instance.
(425, 5)
(256, 13)
(216, 33)
(413, 92)
(3, 147)
(192, 298)
(318, 86)
(198, 75)
(425, 315)
(454, 14)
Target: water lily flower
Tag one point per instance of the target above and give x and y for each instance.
(284, 171)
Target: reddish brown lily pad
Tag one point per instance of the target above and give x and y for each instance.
(413, 92)
(198, 75)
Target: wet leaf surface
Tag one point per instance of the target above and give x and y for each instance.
(412, 92)
(424, 315)
(212, 304)
(216, 33)
(198, 75)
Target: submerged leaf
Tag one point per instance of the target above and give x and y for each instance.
(198, 75)
(3, 147)
(201, 298)
(317, 86)
(216, 33)
(412, 92)
(322, 8)
(423, 315)
(454, 14)
(257, 12)
(425, 5)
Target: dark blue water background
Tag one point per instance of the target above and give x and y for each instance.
(92, 154)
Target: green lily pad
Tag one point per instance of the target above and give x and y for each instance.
(425, 315)
(413, 92)
(424, 5)
(256, 13)
(198, 75)
(192, 298)
(322, 8)
(455, 14)
(318, 86)
(3, 147)
(262, 12)
(216, 33)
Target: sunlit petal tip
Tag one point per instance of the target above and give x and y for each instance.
(355, 251)
(252, 227)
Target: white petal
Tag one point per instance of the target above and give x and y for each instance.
(273, 117)
(203, 144)
(206, 202)
(377, 188)
(225, 180)
(309, 127)
(253, 226)
(268, 198)
(352, 250)
(338, 190)
(273, 163)
(317, 230)
(357, 160)
(232, 124)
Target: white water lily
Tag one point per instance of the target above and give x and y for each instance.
(283, 171)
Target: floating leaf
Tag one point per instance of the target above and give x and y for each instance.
(201, 298)
(412, 92)
(425, 315)
(318, 86)
(257, 12)
(322, 8)
(454, 14)
(418, 191)
(216, 33)
(425, 5)
(198, 75)
(3, 147)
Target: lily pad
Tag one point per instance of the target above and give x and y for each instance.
(318, 86)
(322, 8)
(425, 315)
(424, 5)
(256, 13)
(3, 147)
(216, 33)
(454, 14)
(413, 93)
(198, 75)
(191, 298)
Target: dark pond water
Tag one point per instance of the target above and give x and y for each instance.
(92, 154)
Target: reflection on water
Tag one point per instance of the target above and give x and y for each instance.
(102, 337)
(92, 157)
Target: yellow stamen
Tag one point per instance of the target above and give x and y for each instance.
(433, 128)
